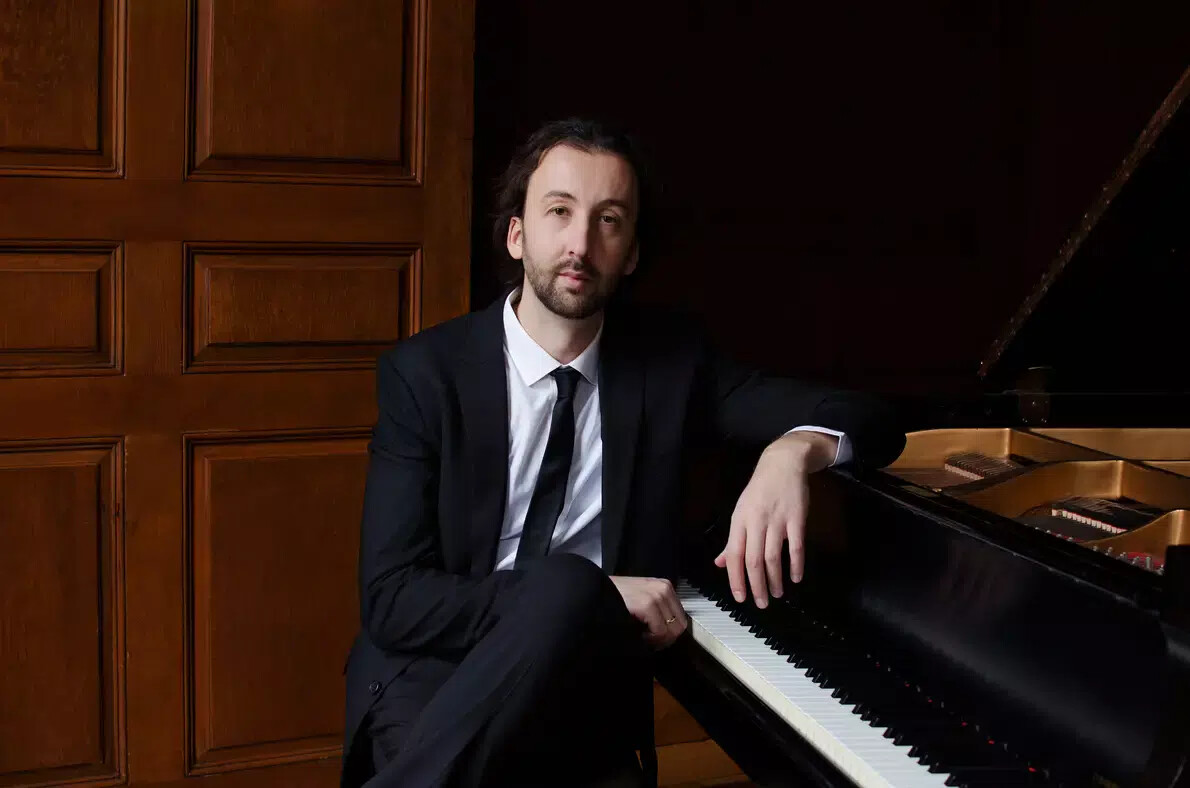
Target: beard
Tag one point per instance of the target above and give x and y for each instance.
(551, 290)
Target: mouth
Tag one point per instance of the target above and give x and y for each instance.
(574, 276)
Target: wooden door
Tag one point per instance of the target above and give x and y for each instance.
(214, 214)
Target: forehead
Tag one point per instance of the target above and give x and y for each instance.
(590, 177)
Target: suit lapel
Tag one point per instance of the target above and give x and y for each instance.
(621, 384)
(483, 397)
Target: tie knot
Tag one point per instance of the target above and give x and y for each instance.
(567, 380)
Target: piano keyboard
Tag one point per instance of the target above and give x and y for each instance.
(844, 732)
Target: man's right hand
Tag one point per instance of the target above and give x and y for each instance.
(654, 602)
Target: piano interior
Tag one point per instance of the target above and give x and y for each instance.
(1168, 449)
(1121, 492)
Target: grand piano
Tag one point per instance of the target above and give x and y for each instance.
(1008, 603)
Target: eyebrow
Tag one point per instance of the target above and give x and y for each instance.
(561, 195)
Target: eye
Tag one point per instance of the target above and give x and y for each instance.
(559, 210)
(610, 219)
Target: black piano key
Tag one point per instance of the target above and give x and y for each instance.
(944, 745)
(976, 762)
(1004, 777)
(965, 749)
(856, 678)
(945, 749)
(935, 743)
(919, 732)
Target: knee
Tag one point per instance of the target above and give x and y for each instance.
(567, 586)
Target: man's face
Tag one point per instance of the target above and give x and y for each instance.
(578, 235)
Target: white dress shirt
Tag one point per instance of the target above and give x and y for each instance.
(531, 396)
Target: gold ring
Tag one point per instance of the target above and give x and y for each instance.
(671, 620)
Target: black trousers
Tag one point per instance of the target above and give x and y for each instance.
(559, 687)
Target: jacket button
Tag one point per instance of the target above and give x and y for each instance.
(374, 688)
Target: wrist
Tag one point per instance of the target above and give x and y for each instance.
(804, 451)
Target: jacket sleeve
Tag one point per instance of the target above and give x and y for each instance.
(748, 408)
(408, 601)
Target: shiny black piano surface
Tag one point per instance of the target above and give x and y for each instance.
(1006, 654)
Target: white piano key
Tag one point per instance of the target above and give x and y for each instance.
(856, 748)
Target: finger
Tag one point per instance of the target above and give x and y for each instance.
(655, 616)
(796, 533)
(797, 553)
(680, 624)
(734, 561)
(669, 629)
(674, 614)
(675, 617)
(774, 540)
(680, 620)
(754, 562)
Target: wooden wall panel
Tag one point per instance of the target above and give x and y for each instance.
(298, 306)
(61, 86)
(61, 664)
(278, 89)
(326, 215)
(60, 309)
(273, 543)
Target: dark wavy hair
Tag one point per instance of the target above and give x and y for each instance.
(589, 136)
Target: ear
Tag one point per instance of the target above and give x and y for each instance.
(633, 258)
(515, 240)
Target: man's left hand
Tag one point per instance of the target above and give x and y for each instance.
(772, 512)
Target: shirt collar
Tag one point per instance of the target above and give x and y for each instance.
(532, 362)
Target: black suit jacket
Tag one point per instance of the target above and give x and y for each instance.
(437, 482)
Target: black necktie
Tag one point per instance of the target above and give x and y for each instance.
(550, 492)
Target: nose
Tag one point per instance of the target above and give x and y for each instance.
(578, 242)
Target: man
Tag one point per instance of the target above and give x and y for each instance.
(521, 520)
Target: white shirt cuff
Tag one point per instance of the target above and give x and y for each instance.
(844, 452)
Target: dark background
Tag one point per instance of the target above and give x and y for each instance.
(861, 193)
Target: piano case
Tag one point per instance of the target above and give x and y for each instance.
(1025, 564)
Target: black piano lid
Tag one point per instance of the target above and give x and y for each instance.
(1108, 315)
